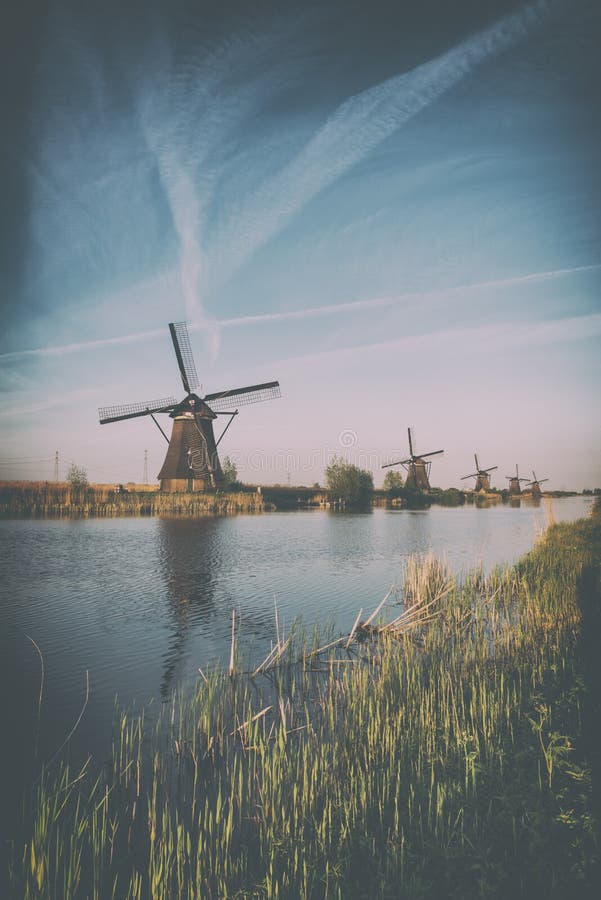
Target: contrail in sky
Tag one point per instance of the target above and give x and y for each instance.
(360, 124)
(480, 339)
(311, 312)
(394, 299)
(187, 111)
(48, 402)
(81, 346)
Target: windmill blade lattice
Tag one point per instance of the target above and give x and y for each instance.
(183, 352)
(133, 410)
(255, 393)
(399, 462)
(432, 453)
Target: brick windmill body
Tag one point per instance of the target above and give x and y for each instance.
(192, 460)
(416, 466)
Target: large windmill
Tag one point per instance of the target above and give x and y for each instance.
(535, 484)
(514, 482)
(418, 470)
(192, 462)
(482, 476)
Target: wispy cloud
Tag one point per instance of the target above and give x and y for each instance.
(48, 402)
(188, 109)
(416, 298)
(97, 218)
(357, 127)
(84, 346)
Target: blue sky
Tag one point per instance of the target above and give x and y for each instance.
(393, 210)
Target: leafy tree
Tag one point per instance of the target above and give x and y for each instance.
(77, 476)
(393, 483)
(349, 483)
(230, 475)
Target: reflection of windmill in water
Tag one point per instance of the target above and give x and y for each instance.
(188, 550)
(534, 485)
(514, 482)
(482, 476)
(198, 559)
(192, 462)
(416, 466)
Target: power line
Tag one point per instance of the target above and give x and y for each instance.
(27, 462)
(8, 460)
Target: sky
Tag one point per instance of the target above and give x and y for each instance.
(391, 208)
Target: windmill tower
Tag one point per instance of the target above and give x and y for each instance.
(482, 476)
(535, 484)
(192, 462)
(418, 469)
(514, 482)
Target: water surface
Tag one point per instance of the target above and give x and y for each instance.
(140, 603)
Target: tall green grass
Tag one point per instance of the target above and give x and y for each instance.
(438, 757)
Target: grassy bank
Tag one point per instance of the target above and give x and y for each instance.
(443, 749)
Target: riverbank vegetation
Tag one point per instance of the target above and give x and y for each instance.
(393, 484)
(348, 488)
(446, 747)
(65, 500)
(348, 485)
(229, 471)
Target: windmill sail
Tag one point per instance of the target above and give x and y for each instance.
(133, 410)
(432, 453)
(183, 353)
(255, 393)
(399, 462)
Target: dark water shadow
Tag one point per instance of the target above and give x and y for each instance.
(190, 556)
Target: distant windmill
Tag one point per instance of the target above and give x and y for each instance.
(192, 462)
(514, 482)
(482, 476)
(535, 484)
(417, 468)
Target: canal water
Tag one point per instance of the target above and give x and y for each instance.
(132, 607)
